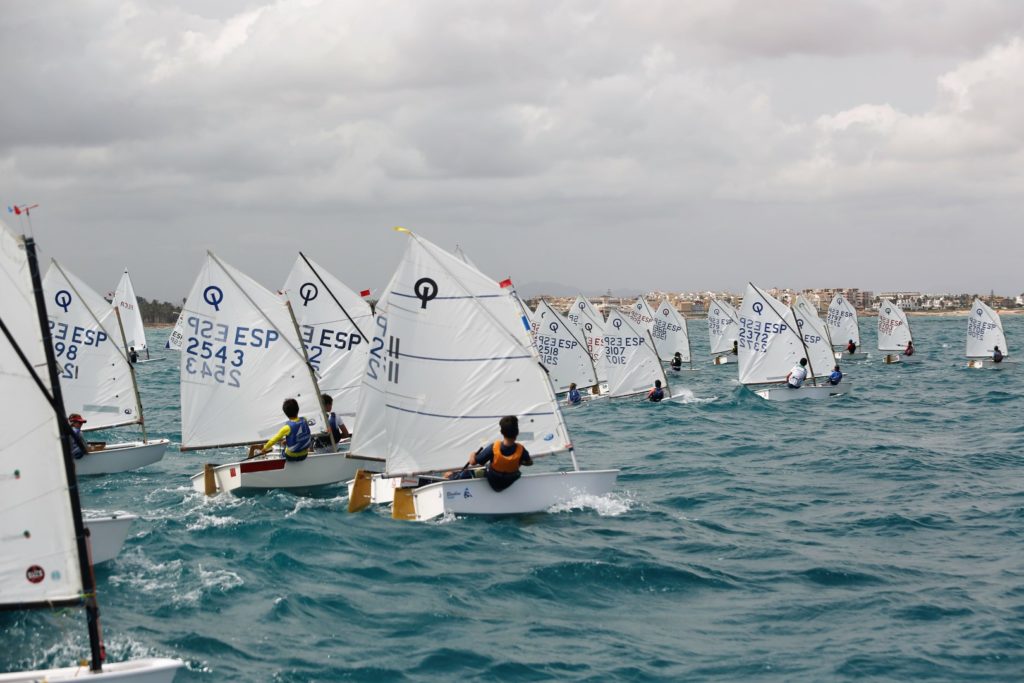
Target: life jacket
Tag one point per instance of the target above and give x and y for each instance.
(299, 437)
(835, 378)
(656, 394)
(574, 396)
(997, 356)
(909, 351)
(851, 347)
(506, 464)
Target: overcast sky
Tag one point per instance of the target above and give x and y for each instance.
(627, 145)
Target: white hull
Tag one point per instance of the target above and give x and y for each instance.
(121, 457)
(895, 357)
(782, 393)
(725, 359)
(107, 535)
(532, 493)
(987, 364)
(847, 356)
(273, 472)
(135, 671)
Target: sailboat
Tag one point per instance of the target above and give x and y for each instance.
(893, 332)
(770, 345)
(333, 322)
(127, 304)
(817, 342)
(641, 314)
(97, 380)
(43, 542)
(670, 334)
(723, 331)
(633, 364)
(242, 355)
(590, 323)
(448, 360)
(563, 353)
(842, 325)
(984, 334)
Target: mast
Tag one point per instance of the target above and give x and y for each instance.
(92, 609)
(312, 375)
(131, 367)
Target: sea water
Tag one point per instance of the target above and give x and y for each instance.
(878, 535)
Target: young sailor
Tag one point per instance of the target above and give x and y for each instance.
(997, 355)
(79, 448)
(836, 377)
(573, 397)
(851, 347)
(795, 378)
(296, 434)
(677, 361)
(909, 351)
(657, 393)
(504, 457)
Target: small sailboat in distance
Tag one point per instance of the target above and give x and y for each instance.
(723, 331)
(771, 344)
(843, 329)
(670, 334)
(127, 303)
(633, 363)
(984, 336)
(894, 337)
(43, 543)
(563, 353)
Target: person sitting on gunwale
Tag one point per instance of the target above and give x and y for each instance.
(295, 432)
(503, 457)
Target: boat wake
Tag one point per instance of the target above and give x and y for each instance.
(607, 505)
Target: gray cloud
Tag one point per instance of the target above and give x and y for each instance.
(660, 145)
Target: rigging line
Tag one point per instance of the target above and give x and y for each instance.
(257, 306)
(331, 292)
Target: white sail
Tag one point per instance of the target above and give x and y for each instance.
(449, 357)
(38, 551)
(669, 332)
(131, 318)
(95, 375)
(590, 323)
(633, 364)
(842, 322)
(561, 351)
(641, 315)
(332, 320)
(769, 345)
(893, 328)
(240, 360)
(816, 340)
(722, 326)
(177, 336)
(984, 332)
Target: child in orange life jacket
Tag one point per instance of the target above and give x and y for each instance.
(503, 458)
